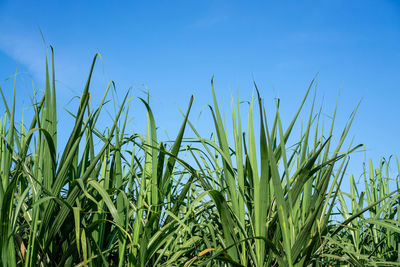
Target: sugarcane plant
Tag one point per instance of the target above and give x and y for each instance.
(117, 196)
(372, 237)
(274, 206)
(109, 198)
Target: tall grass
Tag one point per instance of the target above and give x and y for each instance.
(271, 215)
(112, 197)
(373, 237)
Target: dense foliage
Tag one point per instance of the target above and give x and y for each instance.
(112, 197)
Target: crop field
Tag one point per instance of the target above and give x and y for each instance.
(259, 194)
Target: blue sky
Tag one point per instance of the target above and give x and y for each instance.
(174, 48)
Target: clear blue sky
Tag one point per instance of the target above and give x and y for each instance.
(174, 48)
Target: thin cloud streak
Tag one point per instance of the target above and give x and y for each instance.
(25, 50)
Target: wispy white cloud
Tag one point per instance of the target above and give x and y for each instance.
(29, 50)
(289, 65)
(209, 21)
(218, 12)
(26, 50)
(21, 40)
